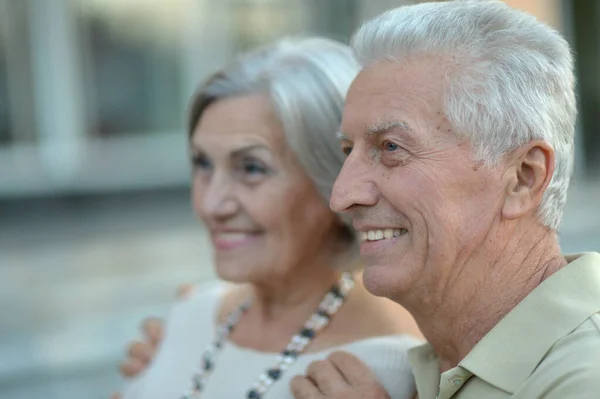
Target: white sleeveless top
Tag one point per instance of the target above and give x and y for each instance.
(190, 329)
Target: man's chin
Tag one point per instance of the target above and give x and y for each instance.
(384, 280)
(374, 279)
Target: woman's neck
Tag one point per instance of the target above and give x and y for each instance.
(280, 307)
(298, 294)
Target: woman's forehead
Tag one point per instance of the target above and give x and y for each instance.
(239, 122)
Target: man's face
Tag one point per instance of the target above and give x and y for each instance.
(421, 204)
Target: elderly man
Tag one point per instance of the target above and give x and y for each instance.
(459, 131)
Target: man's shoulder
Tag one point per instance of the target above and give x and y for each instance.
(572, 365)
(580, 347)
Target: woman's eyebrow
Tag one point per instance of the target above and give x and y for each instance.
(243, 150)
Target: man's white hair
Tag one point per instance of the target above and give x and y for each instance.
(513, 81)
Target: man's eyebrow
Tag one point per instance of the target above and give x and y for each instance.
(384, 127)
(403, 128)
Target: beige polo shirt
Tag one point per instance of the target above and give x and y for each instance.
(547, 347)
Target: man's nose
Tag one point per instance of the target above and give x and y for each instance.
(354, 186)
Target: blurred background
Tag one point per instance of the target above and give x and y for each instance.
(96, 230)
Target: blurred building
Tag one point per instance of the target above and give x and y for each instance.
(95, 227)
(93, 93)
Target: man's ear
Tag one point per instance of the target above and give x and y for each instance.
(530, 170)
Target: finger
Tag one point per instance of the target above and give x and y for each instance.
(326, 377)
(153, 330)
(186, 291)
(352, 368)
(141, 351)
(116, 396)
(303, 388)
(132, 367)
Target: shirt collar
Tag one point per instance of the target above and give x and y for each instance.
(510, 352)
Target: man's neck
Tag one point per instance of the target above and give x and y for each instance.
(474, 305)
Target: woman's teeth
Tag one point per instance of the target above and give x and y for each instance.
(232, 236)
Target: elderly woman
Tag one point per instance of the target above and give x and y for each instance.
(265, 156)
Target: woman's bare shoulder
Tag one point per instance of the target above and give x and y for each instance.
(232, 296)
(365, 316)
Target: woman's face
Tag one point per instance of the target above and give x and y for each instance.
(264, 215)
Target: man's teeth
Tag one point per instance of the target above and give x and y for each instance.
(375, 235)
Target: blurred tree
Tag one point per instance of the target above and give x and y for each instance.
(586, 26)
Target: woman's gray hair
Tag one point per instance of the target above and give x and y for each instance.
(513, 81)
(306, 81)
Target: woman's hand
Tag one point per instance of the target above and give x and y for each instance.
(141, 353)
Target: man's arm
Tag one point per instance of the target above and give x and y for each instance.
(341, 376)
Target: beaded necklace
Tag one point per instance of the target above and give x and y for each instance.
(331, 303)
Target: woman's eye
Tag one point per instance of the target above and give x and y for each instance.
(254, 168)
(201, 162)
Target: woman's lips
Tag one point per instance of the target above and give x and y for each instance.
(226, 241)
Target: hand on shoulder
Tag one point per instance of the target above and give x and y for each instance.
(341, 376)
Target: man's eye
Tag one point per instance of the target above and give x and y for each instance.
(390, 146)
(347, 150)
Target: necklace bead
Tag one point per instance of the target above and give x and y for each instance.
(330, 304)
